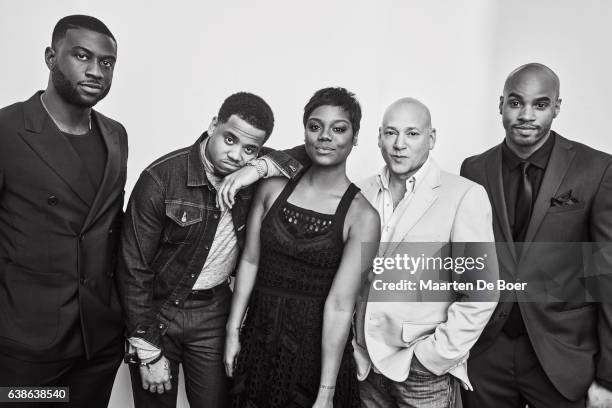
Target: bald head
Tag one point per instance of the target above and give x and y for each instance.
(528, 107)
(411, 108)
(405, 138)
(533, 73)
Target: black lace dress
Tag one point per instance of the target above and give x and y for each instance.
(279, 364)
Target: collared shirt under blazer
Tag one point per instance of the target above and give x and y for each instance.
(443, 208)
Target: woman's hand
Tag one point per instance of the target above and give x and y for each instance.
(325, 398)
(232, 348)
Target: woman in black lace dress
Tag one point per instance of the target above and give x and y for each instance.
(300, 273)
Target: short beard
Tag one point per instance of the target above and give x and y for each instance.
(68, 92)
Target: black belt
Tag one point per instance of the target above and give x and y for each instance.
(205, 294)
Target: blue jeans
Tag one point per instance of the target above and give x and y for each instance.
(195, 338)
(422, 389)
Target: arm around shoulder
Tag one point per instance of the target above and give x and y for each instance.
(289, 162)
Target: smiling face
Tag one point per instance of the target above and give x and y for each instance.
(232, 144)
(406, 137)
(528, 107)
(81, 66)
(329, 135)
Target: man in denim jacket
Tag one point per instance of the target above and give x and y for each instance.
(179, 249)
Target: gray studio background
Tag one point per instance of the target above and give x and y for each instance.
(178, 60)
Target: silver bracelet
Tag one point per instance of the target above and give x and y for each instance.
(327, 387)
(260, 165)
(150, 363)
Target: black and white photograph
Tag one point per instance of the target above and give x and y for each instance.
(326, 204)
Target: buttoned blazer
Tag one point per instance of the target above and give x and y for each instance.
(445, 208)
(570, 333)
(58, 237)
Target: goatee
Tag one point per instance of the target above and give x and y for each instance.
(69, 92)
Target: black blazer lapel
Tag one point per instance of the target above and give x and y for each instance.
(107, 192)
(495, 182)
(560, 159)
(53, 148)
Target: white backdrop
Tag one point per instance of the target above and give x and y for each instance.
(178, 60)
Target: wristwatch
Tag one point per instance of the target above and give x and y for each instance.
(260, 165)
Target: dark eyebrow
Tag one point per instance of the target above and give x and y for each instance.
(515, 95)
(342, 120)
(80, 48)
(229, 132)
(544, 99)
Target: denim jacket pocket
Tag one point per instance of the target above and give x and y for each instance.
(184, 221)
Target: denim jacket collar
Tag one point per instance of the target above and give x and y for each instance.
(196, 174)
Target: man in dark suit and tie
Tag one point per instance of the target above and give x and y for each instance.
(544, 189)
(62, 175)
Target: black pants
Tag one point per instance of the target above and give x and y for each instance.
(509, 375)
(196, 339)
(90, 382)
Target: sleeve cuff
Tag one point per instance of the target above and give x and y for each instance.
(418, 353)
(144, 349)
(286, 164)
(273, 169)
(150, 334)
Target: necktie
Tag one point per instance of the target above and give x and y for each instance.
(524, 199)
(515, 326)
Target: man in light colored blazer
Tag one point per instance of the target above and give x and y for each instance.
(410, 353)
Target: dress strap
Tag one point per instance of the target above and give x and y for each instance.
(343, 207)
(282, 197)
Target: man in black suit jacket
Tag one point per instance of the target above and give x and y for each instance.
(544, 189)
(62, 175)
